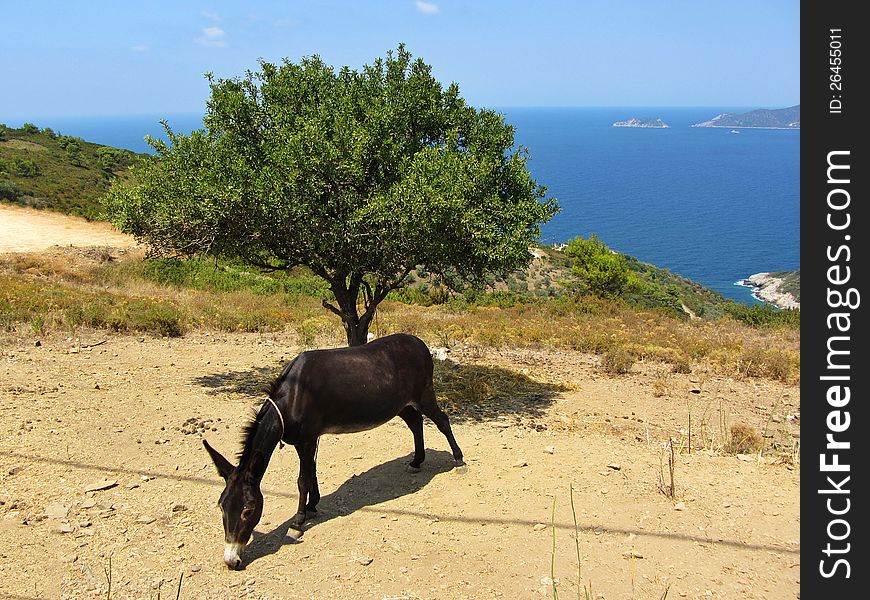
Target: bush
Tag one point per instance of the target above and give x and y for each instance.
(26, 167)
(618, 361)
(9, 191)
(764, 315)
(744, 439)
(29, 128)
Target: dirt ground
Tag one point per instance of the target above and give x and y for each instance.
(103, 477)
(28, 229)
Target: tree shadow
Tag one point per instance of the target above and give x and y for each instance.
(469, 392)
(382, 483)
(253, 382)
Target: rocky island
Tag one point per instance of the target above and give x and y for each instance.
(643, 123)
(782, 289)
(763, 118)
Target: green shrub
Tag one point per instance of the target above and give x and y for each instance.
(9, 191)
(29, 128)
(26, 167)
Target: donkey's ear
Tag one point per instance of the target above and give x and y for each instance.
(224, 467)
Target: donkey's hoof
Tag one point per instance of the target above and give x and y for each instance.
(461, 467)
(413, 469)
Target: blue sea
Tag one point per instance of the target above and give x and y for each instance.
(708, 204)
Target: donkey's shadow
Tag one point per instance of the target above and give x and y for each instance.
(381, 483)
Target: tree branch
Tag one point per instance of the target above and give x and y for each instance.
(330, 307)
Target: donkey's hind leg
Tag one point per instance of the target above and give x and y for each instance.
(430, 408)
(414, 420)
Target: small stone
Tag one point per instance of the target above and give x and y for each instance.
(105, 484)
(56, 511)
(614, 466)
(89, 503)
(364, 560)
(145, 520)
(521, 463)
(196, 568)
(680, 506)
(144, 478)
(550, 449)
(726, 505)
(603, 490)
(96, 386)
(65, 528)
(178, 507)
(70, 558)
(37, 343)
(84, 523)
(132, 486)
(632, 554)
(539, 527)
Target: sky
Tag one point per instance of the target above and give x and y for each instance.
(100, 58)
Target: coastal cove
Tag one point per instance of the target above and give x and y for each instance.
(705, 204)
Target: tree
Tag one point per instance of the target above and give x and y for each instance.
(360, 175)
(604, 271)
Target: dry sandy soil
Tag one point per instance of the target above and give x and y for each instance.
(27, 229)
(127, 414)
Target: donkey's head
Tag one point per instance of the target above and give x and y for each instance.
(241, 503)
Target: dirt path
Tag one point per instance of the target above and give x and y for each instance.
(27, 229)
(73, 413)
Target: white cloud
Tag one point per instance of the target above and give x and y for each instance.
(213, 37)
(427, 8)
(139, 48)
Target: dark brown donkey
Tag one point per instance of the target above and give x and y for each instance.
(327, 391)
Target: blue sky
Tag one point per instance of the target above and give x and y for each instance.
(99, 57)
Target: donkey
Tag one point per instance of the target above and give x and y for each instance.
(341, 390)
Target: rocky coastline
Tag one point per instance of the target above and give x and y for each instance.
(766, 287)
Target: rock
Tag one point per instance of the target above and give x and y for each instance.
(89, 503)
(440, 353)
(521, 463)
(105, 484)
(364, 560)
(145, 520)
(539, 527)
(550, 449)
(84, 523)
(726, 505)
(680, 506)
(614, 466)
(37, 343)
(70, 558)
(57, 511)
(132, 486)
(195, 568)
(178, 507)
(632, 554)
(64, 528)
(144, 478)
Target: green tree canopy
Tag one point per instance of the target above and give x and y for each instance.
(360, 175)
(605, 272)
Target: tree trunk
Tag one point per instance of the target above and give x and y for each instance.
(356, 327)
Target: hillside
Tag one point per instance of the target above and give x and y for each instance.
(783, 118)
(43, 169)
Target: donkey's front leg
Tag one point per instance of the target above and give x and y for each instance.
(307, 481)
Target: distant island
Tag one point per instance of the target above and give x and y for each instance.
(763, 118)
(643, 123)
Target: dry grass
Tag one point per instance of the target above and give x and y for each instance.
(68, 288)
(744, 439)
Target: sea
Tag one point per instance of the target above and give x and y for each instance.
(712, 205)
